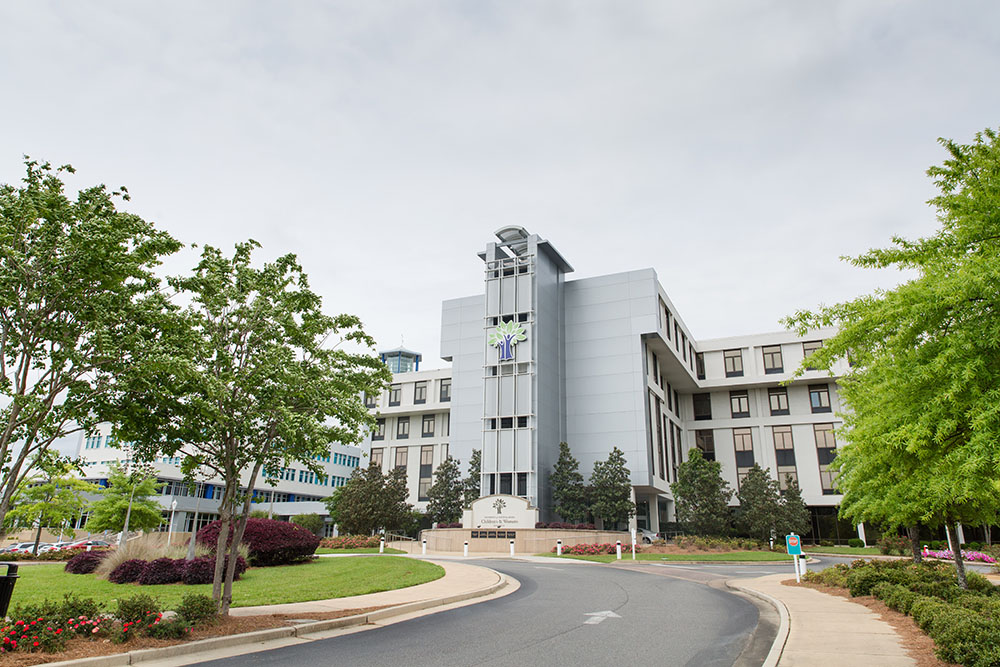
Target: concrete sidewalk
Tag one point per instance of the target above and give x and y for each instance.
(458, 578)
(809, 619)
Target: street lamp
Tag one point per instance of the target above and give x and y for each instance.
(170, 528)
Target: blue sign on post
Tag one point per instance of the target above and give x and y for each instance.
(794, 545)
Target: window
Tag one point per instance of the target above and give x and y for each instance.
(394, 392)
(784, 455)
(826, 451)
(506, 422)
(691, 357)
(376, 457)
(739, 403)
(699, 362)
(446, 390)
(734, 363)
(777, 398)
(402, 428)
(677, 336)
(677, 404)
(447, 423)
(401, 457)
(522, 484)
(808, 348)
(684, 346)
(419, 393)
(522, 422)
(426, 464)
(379, 432)
(702, 406)
(506, 479)
(772, 359)
(427, 429)
(656, 368)
(743, 442)
(705, 441)
(666, 324)
(819, 397)
(371, 400)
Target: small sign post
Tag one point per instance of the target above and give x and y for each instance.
(794, 545)
(633, 544)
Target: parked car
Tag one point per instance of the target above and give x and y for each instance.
(58, 546)
(83, 544)
(17, 547)
(646, 536)
(28, 547)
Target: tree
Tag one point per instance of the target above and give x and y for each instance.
(445, 495)
(128, 501)
(248, 377)
(76, 293)
(53, 498)
(702, 496)
(612, 490)
(472, 481)
(569, 495)
(924, 380)
(760, 506)
(314, 523)
(371, 501)
(794, 515)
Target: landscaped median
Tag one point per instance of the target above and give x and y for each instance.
(606, 553)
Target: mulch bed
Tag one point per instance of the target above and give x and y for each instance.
(918, 645)
(231, 625)
(671, 549)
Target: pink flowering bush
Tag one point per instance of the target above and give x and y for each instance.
(973, 556)
(350, 542)
(596, 549)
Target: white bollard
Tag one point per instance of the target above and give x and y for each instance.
(559, 547)
(423, 547)
(381, 545)
(802, 565)
(465, 552)
(512, 547)
(618, 548)
(633, 548)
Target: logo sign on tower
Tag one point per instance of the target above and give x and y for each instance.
(505, 336)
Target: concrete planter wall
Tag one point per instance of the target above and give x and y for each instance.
(526, 540)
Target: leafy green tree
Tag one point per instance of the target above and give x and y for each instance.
(569, 495)
(76, 293)
(924, 382)
(312, 522)
(759, 512)
(612, 490)
(794, 515)
(472, 481)
(444, 498)
(371, 501)
(136, 489)
(702, 496)
(53, 498)
(249, 376)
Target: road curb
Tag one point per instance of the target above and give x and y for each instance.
(261, 636)
(783, 621)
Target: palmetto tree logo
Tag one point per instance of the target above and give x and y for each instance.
(505, 336)
(499, 504)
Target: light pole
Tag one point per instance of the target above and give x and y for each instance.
(170, 528)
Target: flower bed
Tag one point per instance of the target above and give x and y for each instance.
(595, 549)
(350, 542)
(565, 526)
(948, 554)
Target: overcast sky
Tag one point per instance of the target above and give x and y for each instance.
(738, 148)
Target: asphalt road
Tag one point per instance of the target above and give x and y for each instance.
(641, 618)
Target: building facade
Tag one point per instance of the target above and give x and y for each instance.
(295, 490)
(538, 359)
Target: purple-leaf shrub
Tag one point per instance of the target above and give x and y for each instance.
(270, 542)
(202, 570)
(128, 572)
(162, 571)
(85, 562)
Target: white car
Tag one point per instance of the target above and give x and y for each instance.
(646, 536)
(17, 547)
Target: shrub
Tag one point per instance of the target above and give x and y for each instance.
(312, 522)
(541, 524)
(174, 628)
(196, 608)
(128, 572)
(893, 544)
(855, 542)
(449, 525)
(350, 542)
(595, 549)
(270, 542)
(137, 608)
(202, 570)
(85, 562)
(162, 571)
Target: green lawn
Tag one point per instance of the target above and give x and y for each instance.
(372, 550)
(318, 580)
(847, 551)
(730, 556)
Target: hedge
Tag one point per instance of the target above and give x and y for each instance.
(270, 542)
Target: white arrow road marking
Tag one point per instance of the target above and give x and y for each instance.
(599, 616)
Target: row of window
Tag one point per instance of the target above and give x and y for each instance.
(777, 398)
(419, 394)
(401, 458)
(673, 398)
(94, 442)
(680, 339)
(784, 453)
(428, 425)
(508, 266)
(771, 356)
